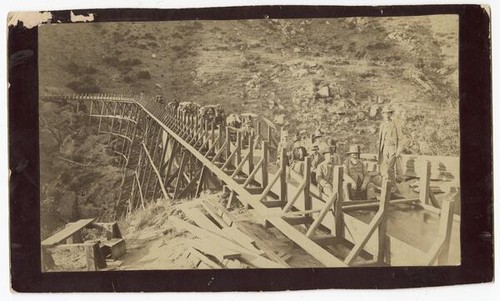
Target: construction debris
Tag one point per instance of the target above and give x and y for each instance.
(222, 241)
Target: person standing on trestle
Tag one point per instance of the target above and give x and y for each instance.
(389, 146)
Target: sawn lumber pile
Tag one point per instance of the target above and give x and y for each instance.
(222, 242)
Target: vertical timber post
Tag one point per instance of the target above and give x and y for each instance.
(100, 118)
(383, 254)
(238, 148)
(338, 179)
(424, 184)
(307, 185)
(180, 174)
(445, 227)
(283, 168)
(264, 164)
(269, 134)
(228, 143)
(250, 155)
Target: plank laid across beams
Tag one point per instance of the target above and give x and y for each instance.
(67, 232)
(307, 244)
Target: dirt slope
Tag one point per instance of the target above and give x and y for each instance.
(277, 68)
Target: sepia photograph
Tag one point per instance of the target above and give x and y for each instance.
(253, 140)
(275, 143)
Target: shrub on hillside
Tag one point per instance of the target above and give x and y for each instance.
(112, 61)
(118, 37)
(89, 70)
(177, 35)
(131, 62)
(127, 79)
(197, 25)
(378, 46)
(143, 75)
(73, 68)
(176, 48)
(149, 36)
(85, 85)
(77, 70)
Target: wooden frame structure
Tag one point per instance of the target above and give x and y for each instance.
(170, 154)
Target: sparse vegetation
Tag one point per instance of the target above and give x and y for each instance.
(143, 75)
(84, 85)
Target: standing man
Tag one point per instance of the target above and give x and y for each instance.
(389, 146)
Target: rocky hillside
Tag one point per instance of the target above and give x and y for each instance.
(329, 73)
(79, 174)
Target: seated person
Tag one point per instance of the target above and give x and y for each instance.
(316, 159)
(324, 172)
(332, 144)
(357, 185)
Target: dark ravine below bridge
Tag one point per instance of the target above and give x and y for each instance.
(174, 156)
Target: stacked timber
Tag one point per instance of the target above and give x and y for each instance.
(222, 242)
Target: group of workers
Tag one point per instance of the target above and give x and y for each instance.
(359, 182)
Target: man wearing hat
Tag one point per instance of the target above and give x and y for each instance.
(332, 144)
(356, 179)
(285, 143)
(316, 159)
(324, 172)
(389, 144)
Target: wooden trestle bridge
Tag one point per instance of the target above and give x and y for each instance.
(168, 154)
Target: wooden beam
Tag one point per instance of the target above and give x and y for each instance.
(283, 167)
(199, 187)
(376, 204)
(322, 214)
(190, 185)
(338, 180)
(179, 174)
(377, 219)
(307, 184)
(211, 264)
(157, 172)
(250, 154)
(440, 249)
(67, 232)
(233, 221)
(201, 220)
(424, 184)
(218, 251)
(383, 239)
(202, 233)
(264, 164)
(238, 148)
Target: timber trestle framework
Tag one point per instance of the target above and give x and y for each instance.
(167, 153)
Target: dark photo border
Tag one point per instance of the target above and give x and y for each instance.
(476, 168)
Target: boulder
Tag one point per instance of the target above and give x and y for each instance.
(301, 72)
(360, 116)
(373, 111)
(279, 119)
(324, 92)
